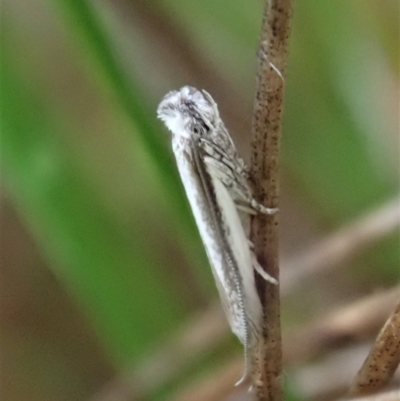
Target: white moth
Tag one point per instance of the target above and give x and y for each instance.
(216, 184)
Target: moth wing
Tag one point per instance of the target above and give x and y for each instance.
(201, 204)
(239, 244)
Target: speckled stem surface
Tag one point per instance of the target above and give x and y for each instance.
(383, 359)
(266, 128)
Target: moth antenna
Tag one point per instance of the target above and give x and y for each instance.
(212, 102)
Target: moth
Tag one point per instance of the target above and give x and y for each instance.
(216, 181)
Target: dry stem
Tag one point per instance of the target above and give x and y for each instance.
(266, 127)
(310, 382)
(383, 359)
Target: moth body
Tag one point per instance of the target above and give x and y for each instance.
(216, 184)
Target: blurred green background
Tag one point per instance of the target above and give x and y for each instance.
(100, 258)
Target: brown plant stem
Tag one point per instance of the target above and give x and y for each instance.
(266, 128)
(309, 382)
(383, 359)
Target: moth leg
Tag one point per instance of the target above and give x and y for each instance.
(257, 267)
(245, 195)
(261, 208)
(225, 173)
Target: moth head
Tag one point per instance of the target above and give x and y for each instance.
(188, 112)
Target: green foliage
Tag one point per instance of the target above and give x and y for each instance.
(108, 272)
